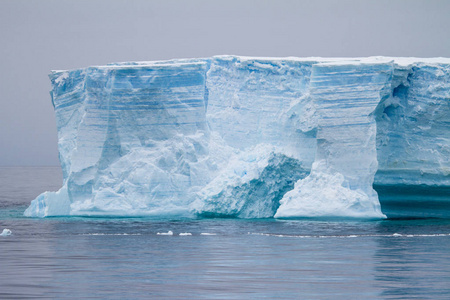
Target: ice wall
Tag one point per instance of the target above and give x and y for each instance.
(262, 100)
(413, 127)
(231, 136)
(413, 141)
(340, 184)
(133, 139)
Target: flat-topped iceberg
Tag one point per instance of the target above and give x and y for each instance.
(249, 137)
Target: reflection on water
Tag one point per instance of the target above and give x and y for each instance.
(125, 258)
(245, 259)
(414, 266)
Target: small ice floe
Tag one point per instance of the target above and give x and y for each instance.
(111, 234)
(185, 233)
(207, 233)
(397, 234)
(165, 233)
(6, 232)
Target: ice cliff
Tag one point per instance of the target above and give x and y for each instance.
(251, 137)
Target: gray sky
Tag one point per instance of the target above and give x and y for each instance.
(38, 36)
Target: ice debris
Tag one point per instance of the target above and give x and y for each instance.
(165, 233)
(6, 232)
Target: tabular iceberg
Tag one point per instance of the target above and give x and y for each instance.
(251, 137)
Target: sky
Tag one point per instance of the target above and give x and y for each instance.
(39, 36)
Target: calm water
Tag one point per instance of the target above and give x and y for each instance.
(237, 259)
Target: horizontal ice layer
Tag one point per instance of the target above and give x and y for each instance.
(176, 137)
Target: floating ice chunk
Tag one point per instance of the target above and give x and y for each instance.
(165, 233)
(50, 204)
(6, 232)
(185, 233)
(107, 234)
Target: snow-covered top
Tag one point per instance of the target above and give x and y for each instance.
(129, 65)
(400, 61)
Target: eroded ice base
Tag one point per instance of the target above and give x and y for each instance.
(326, 193)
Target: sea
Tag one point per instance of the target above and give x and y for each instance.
(148, 258)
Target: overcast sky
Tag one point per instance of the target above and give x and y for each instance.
(38, 36)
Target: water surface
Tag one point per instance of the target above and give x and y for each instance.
(126, 258)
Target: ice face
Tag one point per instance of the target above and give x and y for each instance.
(133, 139)
(413, 127)
(247, 137)
(257, 100)
(340, 183)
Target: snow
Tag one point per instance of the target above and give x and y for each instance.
(247, 137)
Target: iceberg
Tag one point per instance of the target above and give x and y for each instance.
(247, 137)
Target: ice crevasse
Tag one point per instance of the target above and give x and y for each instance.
(247, 137)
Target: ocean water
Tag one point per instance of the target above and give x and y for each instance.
(133, 258)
